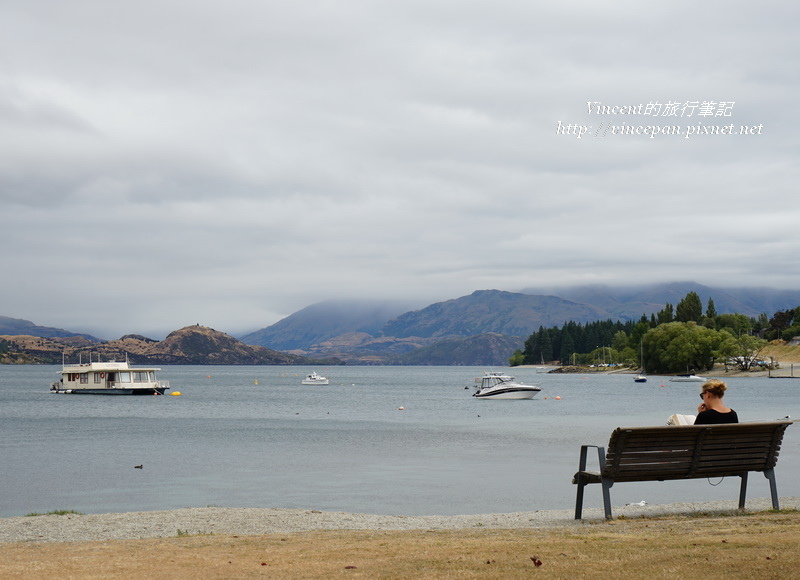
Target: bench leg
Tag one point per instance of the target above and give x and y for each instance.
(582, 481)
(773, 487)
(579, 498)
(606, 483)
(743, 490)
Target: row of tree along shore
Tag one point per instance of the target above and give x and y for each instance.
(675, 340)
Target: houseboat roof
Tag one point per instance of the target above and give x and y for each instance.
(103, 367)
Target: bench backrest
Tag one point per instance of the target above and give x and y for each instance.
(689, 451)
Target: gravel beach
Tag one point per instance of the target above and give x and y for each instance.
(258, 521)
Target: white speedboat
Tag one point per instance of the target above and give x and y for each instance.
(688, 379)
(108, 378)
(315, 379)
(500, 386)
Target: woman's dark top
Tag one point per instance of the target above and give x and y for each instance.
(712, 417)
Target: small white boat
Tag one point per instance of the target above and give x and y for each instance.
(500, 386)
(108, 378)
(688, 379)
(640, 378)
(314, 379)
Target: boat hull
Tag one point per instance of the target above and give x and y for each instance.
(146, 391)
(688, 379)
(508, 394)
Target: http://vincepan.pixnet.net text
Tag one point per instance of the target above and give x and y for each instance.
(685, 119)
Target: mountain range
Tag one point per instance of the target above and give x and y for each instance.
(194, 345)
(483, 328)
(329, 328)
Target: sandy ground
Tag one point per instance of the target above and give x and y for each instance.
(259, 521)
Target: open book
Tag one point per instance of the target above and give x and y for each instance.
(681, 420)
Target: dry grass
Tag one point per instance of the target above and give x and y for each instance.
(761, 545)
(783, 353)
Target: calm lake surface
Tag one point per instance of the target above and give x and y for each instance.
(255, 437)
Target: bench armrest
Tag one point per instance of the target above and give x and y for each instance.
(601, 457)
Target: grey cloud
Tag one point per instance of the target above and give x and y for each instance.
(234, 152)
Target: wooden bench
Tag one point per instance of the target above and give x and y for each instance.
(683, 452)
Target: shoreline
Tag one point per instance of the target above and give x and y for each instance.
(718, 372)
(265, 521)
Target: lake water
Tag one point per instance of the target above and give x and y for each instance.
(255, 437)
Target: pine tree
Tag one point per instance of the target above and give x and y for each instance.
(690, 309)
(711, 312)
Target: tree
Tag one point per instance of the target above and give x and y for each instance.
(742, 351)
(620, 340)
(736, 324)
(779, 322)
(761, 324)
(538, 347)
(516, 359)
(690, 309)
(665, 315)
(709, 319)
(567, 346)
(545, 345)
(679, 347)
(793, 330)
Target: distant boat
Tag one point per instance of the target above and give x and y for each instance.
(688, 379)
(314, 379)
(640, 378)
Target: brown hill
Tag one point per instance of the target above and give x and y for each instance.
(195, 345)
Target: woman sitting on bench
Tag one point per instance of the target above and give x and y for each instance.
(712, 411)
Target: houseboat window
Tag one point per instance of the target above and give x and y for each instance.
(152, 376)
(140, 377)
(124, 377)
(96, 377)
(84, 378)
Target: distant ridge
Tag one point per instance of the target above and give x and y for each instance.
(325, 320)
(193, 345)
(497, 311)
(18, 326)
(412, 337)
(626, 301)
(461, 329)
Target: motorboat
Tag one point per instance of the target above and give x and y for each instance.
(640, 378)
(493, 385)
(315, 379)
(108, 378)
(692, 378)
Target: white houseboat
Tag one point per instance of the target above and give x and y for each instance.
(108, 378)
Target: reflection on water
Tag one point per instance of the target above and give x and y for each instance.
(254, 436)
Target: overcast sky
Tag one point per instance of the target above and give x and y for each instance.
(164, 163)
